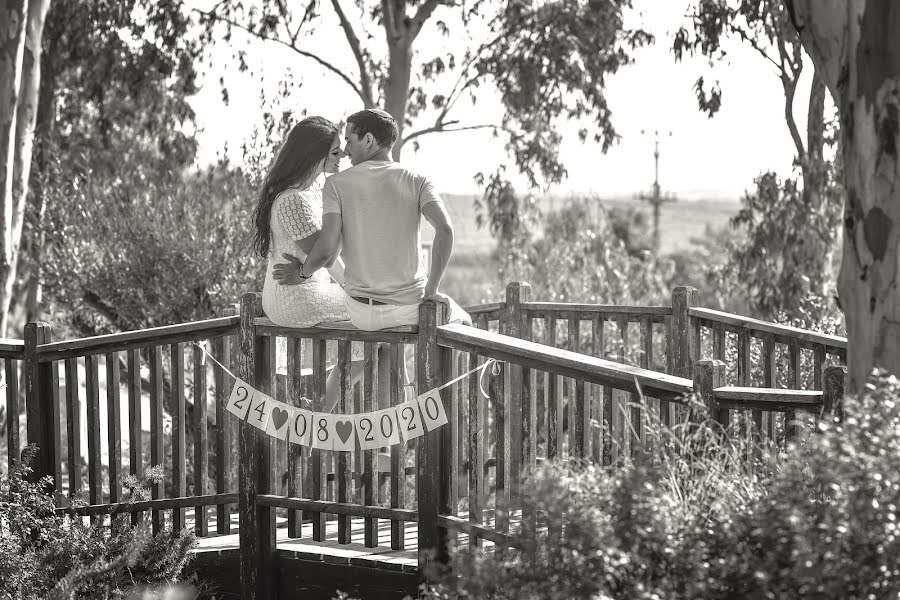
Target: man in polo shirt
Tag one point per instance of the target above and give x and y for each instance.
(374, 209)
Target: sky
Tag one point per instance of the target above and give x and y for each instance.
(699, 157)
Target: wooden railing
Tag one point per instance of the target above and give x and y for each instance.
(577, 382)
(52, 375)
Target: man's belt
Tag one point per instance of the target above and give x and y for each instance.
(369, 301)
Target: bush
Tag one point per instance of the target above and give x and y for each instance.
(697, 519)
(45, 554)
(145, 251)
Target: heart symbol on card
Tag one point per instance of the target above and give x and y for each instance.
(344, 430)
(279, 417)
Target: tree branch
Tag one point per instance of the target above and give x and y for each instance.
(356, 47)
(423, 14)
(390, 24)
(443, 128)
(329, 66)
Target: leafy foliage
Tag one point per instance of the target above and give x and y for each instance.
(143, 253)
(46, 554)
(697, 519)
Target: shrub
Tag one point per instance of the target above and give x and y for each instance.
(46, 554)
(696, 518)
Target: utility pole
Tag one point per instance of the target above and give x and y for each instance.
(656, 198)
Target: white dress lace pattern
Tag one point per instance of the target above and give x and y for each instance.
(297, 214)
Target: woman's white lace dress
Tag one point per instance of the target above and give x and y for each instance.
(297, 214)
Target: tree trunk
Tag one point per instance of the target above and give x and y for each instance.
(26, 114)
(855, 45)
(12, 49)
(396, 87)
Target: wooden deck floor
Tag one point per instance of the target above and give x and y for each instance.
(329, 550)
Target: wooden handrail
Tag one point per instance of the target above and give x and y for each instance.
(770, 399)
(786, 331)
(142, 505)
(337, 508)
(10, 348)
(478, 309)
(597, 308)
(338, 330)
(184, 332)
(563, 362)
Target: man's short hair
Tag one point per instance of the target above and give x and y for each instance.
(379, 123)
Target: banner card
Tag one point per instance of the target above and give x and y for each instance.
(300, 431)
(387, 432)
(410, 420)
(322, 431)
(279, 420)
(431, 407)
(367, 431)
(258, 415)
(344, 438)
(239, 402)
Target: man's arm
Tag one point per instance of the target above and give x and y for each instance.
(441, 249)
(323, 252)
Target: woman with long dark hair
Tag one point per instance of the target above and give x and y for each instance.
(288, 219)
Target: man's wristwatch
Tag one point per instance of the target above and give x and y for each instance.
(302, 276)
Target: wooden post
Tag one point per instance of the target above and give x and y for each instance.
(834, 381)
(257, 523)
(39, 408)
(521, 425)
(709, 374)
(432, 451)
(683, 340)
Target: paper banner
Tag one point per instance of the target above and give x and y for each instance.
(367, 431)
(387, 431)
(300, 431)
(431, 407)
(279, 420)
(323, 431)
(410, 420)
(258, 415)
(239, 401)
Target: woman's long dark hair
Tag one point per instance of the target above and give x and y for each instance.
(307, 144)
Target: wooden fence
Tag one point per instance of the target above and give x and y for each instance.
(568, 388)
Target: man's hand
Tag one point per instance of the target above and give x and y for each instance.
(437, 297)
(288, 273)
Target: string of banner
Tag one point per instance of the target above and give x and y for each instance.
(328, 431)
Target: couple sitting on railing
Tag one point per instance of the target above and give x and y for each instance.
(368, 215)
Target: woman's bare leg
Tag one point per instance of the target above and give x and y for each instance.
(333, 384)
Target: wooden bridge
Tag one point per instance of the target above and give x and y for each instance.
(577, 383)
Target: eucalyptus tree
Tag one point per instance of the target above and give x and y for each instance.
(855, 45)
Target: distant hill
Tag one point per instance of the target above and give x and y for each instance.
(680, 221)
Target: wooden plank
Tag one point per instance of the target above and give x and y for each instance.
(476, 448)
(201, 442)
(114, 426)
(370, 473)
(224, 441)
(73, 428)
(770, 399)
(719, 340)
(769, 365)
(818, 367)
(315, 456)
(665, 408)
(37, 383)
(596, 430)
(476, 531)
(142, 505)
(791, 425)
(95, 464)
(684, 342)
(99, 344)
(547, 308)
(398, 451)
(339, 331)
(625, 410)
(562, 362)
(135, 432)
(343, 408)
(529, 408)
(502, 498)
(477, 309)
(343, 509)
(432, 464)
(295, 451)
(179, 429)
(13, 443)
(755, 325)
(56, 434)
(157, 447)
(554, 400)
